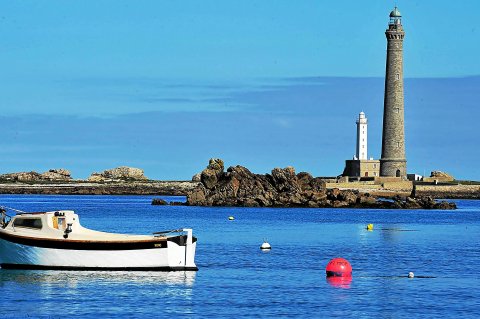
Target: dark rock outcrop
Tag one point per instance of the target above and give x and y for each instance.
(284, 188)
(177, 204)
(240, 187)
(159, 201)
(162, 202)
(424, 202)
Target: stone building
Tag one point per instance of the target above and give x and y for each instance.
(360, 165)
(362, 168)
(393, 162)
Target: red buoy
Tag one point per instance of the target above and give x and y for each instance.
(339, 267)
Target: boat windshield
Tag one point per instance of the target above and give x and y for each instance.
(35, 223)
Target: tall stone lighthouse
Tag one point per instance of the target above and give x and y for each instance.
(393, 161)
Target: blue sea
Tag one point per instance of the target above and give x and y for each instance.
(238, 280)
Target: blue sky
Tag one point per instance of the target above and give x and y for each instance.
(164, 86)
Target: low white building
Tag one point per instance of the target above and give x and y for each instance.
(414, 177)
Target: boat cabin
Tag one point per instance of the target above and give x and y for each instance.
(54, 223)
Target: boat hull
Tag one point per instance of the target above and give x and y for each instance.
(169, 256)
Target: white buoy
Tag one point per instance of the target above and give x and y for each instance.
(265, 246)
(231, 218)
(411, 275)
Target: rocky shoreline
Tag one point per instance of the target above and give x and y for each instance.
(235, 187)
(284, 188)
(172, 188)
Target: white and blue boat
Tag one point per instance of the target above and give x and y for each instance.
(56, 240)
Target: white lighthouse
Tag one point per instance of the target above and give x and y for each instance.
(361, 167)
(362, 150)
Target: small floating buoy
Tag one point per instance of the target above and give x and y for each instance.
(370, 227)
(231, 218)
(265, 246)
(339, 267)
(411, 275)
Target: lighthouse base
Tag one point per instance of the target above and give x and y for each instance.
(393, 168)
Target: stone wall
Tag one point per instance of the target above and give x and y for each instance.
(450, 191)
(404, 188)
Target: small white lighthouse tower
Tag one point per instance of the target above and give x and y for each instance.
(362, 150)
(360, 166)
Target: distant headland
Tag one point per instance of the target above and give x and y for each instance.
(238, 186)
(117, 181)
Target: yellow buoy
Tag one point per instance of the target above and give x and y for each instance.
(231, 218)
(370, 227)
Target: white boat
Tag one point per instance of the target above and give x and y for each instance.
(56, 240)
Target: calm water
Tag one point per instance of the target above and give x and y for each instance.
(236, 279)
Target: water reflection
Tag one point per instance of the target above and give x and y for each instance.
(340, 282)
(88, 293)
(72, 279)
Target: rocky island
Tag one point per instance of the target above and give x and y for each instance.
(284, 188)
